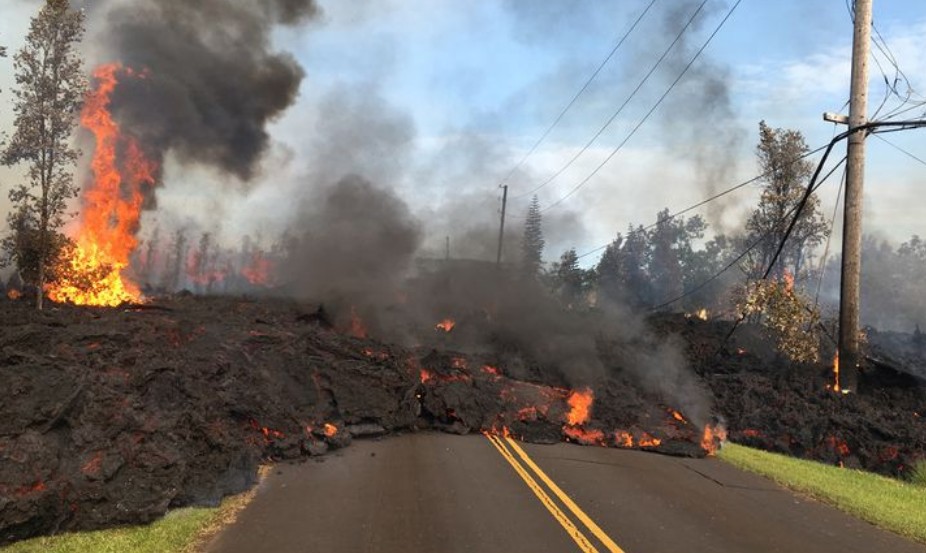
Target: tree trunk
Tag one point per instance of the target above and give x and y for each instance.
(40, 291)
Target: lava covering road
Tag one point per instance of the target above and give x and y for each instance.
(113, 416)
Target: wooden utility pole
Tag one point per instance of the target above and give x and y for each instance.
(501, 227)
(852, 218)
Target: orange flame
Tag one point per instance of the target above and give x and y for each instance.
(93, 274)
(677, 416)
(13, 294)
(580, 404)
(836, 387)
(712, 438)
(648, 441)
(446, 325)
(258, 270)
(583, 436)
(623, 438)
(788, 279)
(330, 429)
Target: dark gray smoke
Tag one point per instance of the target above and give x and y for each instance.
(698, 116)
(212, 80)
(354, 243)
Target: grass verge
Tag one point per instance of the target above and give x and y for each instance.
(890, 504)
(181, 531)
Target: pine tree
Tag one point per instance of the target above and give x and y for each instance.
(570, 282)
(786, 177)
(50, 89)
(532, 243)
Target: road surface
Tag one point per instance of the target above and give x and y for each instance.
(440, 493)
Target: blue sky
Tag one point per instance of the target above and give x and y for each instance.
(439, 99)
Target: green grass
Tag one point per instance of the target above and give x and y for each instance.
(891, 504)
(918, 474)
(181, 531)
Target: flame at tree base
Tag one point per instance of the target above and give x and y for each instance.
(91, 272)
(89, 278)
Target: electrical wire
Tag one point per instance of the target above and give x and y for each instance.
(620, 109)
(662, 98)
(577, 94)
(898, 148)
(712, 198)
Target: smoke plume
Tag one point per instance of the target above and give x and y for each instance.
(211, 81)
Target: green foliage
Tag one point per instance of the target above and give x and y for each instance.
(786, 314)
(885, 502)
(532, 243)
(918, 473)
(786, 177)
(569, 281)
(50, 89)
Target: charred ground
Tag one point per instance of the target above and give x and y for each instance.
(113, 416)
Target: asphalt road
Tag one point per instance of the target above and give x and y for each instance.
(441, 493)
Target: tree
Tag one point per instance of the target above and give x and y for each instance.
(50, 89)
(570, 282)
(532, 243)
(785, 177)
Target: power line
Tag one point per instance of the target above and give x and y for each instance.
(584, 181)
(712, 198)
(614, 115)
(796, 209)
(577, 94)
(898, 148)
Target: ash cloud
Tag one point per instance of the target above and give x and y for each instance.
(213, 80)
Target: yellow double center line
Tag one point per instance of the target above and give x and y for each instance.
(581, 540)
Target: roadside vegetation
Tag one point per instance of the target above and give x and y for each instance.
(890, 504)
(181, 531)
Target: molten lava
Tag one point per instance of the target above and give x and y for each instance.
(584, 436)
(623, 439)
(446, 325)
(712, 438)
(580, 404)
(111, 205)
(330, 429)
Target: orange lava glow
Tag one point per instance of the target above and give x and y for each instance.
(357, 328)
(623, 439)
(111, 206)
(330, 429)
(489, 369)
(425, 375)
(677, 416)
(584, 436)
(446, 325)
(648, 441)
(13, 294)
(580, 404)
(712, 438)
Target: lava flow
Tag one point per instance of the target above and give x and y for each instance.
(111, 205)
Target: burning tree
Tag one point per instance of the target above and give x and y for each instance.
(51, 88)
